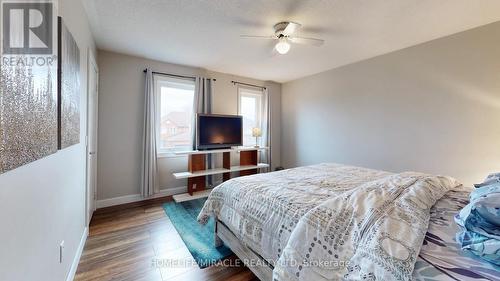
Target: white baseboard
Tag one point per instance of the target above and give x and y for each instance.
(76, 259)
(137, 197)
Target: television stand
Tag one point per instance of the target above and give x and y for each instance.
(197, 170)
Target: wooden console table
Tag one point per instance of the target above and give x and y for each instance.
(197, 170)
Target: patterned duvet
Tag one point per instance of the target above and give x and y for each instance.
(310, 203)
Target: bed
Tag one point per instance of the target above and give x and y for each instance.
(332, 222)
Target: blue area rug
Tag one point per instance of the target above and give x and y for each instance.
(199, 239)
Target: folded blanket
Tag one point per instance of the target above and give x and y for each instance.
(480, 223)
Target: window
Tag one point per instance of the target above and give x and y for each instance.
(174, 113)
(250, 107)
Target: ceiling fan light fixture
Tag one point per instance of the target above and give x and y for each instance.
(284, 34)
(282, 46)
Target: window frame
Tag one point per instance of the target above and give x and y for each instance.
(164, 80)
(257, 93)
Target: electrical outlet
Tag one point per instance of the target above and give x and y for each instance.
(61, 251)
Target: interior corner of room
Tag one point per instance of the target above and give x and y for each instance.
(121, 124)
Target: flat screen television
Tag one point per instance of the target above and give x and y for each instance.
(218, 131)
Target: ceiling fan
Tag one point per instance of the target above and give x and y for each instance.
(283, 32)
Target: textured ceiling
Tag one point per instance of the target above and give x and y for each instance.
(206, 33)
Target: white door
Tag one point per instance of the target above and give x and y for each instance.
(92, 111)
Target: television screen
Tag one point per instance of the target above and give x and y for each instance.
(219, 131)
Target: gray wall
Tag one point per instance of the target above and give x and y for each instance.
(43, 203)
(433, 108)
(121, 92)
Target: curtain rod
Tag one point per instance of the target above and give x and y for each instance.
(175, 75)
(246, 84)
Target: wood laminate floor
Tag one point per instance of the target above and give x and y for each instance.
(137, 241)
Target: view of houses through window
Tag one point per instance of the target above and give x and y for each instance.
(176, 97)
(250, 107)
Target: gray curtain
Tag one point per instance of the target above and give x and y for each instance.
(203, 96)
(149, 173)
(202, 104)
(265, 140)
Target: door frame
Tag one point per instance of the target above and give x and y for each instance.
(91, 63)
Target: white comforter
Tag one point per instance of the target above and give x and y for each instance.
(329, 221)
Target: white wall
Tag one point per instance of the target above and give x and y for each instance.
(43, 203)
(121, 100)
(432, 108)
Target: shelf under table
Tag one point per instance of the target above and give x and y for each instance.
(196, 195)
(215, 171)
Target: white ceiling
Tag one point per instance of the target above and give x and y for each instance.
(206, 33)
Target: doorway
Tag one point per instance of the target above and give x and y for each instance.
(92, 125)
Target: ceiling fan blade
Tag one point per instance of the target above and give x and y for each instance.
(307, 41)
(258, 37)
(291, 28)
